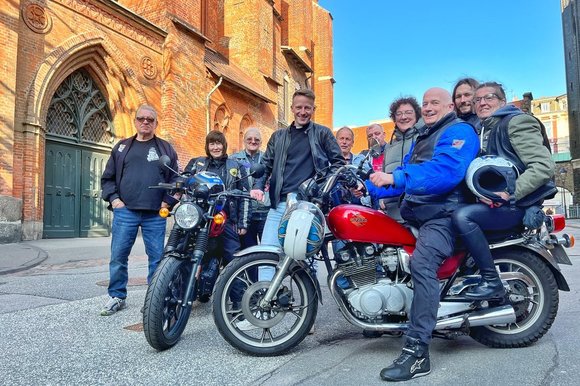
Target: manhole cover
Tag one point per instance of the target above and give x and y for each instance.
(134, 327)
(137, 281)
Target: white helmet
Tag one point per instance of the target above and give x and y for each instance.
(301, 230)
(489, 174)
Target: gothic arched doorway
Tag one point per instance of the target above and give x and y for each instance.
(79, 139)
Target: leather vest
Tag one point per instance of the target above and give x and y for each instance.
(423, 152)
(498, 143)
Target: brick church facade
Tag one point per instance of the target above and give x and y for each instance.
(74, 72)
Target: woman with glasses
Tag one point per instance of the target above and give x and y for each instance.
(406, 113)
(511, 134)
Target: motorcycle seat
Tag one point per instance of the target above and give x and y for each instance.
(503, 235)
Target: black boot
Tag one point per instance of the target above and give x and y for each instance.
(489, 288)
(412, 363)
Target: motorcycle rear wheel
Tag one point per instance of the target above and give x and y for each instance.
(535, 313)
(272, 331)
(165, 313)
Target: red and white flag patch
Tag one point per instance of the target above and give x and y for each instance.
(457, 143)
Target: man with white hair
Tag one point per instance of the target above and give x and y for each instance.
(249, 156)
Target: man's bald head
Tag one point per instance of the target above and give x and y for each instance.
(437, 103)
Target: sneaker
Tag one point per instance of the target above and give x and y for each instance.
(113, 305)
(244, 325)
(412, 363)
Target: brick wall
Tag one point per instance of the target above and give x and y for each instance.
(152, 52)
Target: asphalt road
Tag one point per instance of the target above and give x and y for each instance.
(51, 333)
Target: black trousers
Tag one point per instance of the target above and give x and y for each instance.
(254, 233)
(435, 243)
(470, 222)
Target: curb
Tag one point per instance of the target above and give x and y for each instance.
(40, 257)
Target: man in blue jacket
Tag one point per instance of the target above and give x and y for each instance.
(432, 178)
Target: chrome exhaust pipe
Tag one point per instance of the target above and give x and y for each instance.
(496, 315)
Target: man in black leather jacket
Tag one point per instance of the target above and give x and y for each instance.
(303, 150)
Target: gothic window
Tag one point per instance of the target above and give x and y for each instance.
(244, 124)
(221, 119)
(79, 110)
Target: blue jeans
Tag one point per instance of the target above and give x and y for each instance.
(126, 223)
(270, 234)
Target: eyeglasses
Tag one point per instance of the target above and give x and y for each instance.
(251, 139)
(406, 112)
(487, 98)
(145, 119)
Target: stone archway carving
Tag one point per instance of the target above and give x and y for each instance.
(101, 57)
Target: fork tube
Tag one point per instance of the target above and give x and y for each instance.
(198, 252)
(276, 281)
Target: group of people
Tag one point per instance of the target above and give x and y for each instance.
(418, 178)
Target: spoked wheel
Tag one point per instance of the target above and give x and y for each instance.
(252, 327)
(534, 297)
(165, 314)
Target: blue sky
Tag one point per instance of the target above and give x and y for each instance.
(387, 48)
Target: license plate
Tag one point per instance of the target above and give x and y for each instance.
(560, 255)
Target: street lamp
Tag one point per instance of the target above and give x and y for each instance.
(563, 173)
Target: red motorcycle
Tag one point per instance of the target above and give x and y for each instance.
(371, 281)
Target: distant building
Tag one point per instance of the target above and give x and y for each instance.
(553, 112)
(360, 134)
(571, 34)
(75, 71)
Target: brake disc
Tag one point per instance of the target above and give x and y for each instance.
(255, 314)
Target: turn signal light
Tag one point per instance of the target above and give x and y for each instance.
(164, 212)
(572, 241)
(219, 219)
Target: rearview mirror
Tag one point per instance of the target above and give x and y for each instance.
(257, 170)
(374, 147)
(164, 160)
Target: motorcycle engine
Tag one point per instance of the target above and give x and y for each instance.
(378, 283)
(382, 298)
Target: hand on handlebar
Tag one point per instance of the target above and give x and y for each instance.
(359, 191)
(257, 194)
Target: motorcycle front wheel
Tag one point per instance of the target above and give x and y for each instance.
(165, 313)
(534, 298)
(257, 330)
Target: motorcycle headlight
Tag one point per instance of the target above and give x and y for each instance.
(188, 215)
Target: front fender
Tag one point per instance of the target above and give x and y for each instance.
(276, 250)
(541, 251)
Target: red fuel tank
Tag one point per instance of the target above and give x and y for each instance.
(359, 223)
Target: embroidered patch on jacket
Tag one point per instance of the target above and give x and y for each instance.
(152, 155)
(457, 143)
(121, 148)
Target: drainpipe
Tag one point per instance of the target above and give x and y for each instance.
(207, 101)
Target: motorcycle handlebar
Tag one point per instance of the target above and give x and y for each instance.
(163, 185)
